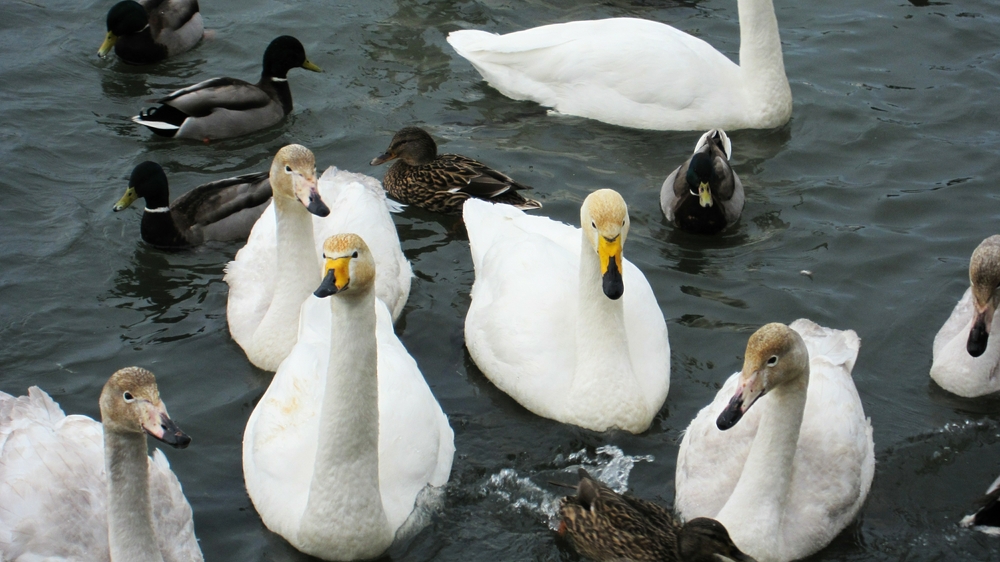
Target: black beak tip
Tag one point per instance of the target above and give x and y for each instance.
(318, 207)
(613, 285)
(731, 415)
(328, 287)
(180, 440)
(978, 338)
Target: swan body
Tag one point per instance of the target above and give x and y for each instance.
(966, 359)
(556, 325)
(795, 469)
(56, 501)
(152, 30)
(280, 265)
(704, 195)
(640, 73)
(348, 432)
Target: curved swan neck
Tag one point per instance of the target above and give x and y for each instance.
(130, 513)
(756, 507)
(344, 491)
(761, 61)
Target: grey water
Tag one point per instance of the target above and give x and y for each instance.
(881, 186)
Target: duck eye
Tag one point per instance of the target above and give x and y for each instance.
(288, 169)
(128, 396)
(355, 254)
(772, 361)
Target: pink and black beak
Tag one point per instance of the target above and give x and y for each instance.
(980, 333)
(158, 424)
(750, 389)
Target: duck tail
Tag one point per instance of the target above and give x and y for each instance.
(164, 120)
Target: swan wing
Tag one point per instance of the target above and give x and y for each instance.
(648, 344)
(172, 515)
(250, 277)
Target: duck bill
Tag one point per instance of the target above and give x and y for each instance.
(749, 390)
(308, 65)
(980, 333)
(610, 254)
(336, 277)
(735, 556)
(307, 193)
(704, 195)
(126, 200)
(158, 424)
(381, 159)
(109, 42)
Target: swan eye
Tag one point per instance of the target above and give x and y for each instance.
(128, 396)
(593, 224)
(772, 361)
(355, 254)
(288, 169)
(623, 222)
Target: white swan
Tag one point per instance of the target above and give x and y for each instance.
(640, 73)
(75, 489)
(280, 265)
(549, 324)
(796, 469)
(966, 360)
(348, 433)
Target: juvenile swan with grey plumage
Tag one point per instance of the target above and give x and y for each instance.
(561, 321)
(75, 489)
(966, 359)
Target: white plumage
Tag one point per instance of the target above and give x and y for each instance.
(953, 368)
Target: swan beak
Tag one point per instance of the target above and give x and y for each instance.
(307, 193)
(126, 200)
(107, 45)
(749, 390)
(980, 332)
(382, 159)
(704, 195)
(610, 254)
(336, 277)
(310, 66)
(157, 423)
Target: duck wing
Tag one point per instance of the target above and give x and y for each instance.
(212, 202)
(170, 14)
(460, 174)
(205, 97)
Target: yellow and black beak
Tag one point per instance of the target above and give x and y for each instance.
(310, 66)
(126, 200)
(107, 45)
(336, 276)
(610, 254)
(704, 195)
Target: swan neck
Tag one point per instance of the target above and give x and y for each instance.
(295, 243)
(761, 60)
(130, 513)
(346, 472)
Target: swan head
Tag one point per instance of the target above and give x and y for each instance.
(348, 266)
(130, 403)
(412, 145)
(699, 177)
(984, 274)
(775, 355)
(706, 540)
(293, 176)
(605, 222)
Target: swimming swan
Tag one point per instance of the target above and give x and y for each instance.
(560, 322)
(788, 475)
(348, 433)
(75, 489)
(966, 360)
(640, 73)
(280, 265)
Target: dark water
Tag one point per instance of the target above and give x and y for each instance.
(881, 185)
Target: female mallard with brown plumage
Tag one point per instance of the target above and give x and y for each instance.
(606, 526)
(442, 183)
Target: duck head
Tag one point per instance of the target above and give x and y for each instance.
(412, 145)
(984, 274)
(130, 403)
(284, 54)
(293, 176)
(348, 267)
(699, 177)
(775, 355)
(124, 18)
(605, 222)
(149, 182)
(706, 540)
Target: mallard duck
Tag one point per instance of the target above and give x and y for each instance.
(348, 432)
(966, 359)
(605, 526)
(221, 210)
(152, 30)
(226, 107)
(788, 475)
(441, 183)
(640, 73)
(75, 489)
(987, 518)
(276, 270)
(704, 195)
(560, 321)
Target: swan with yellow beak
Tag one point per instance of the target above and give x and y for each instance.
(561, 321)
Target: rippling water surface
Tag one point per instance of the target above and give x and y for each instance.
(881, 185)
